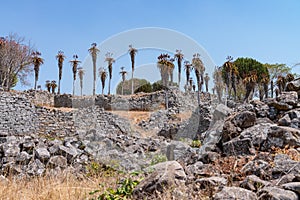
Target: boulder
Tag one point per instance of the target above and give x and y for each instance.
(268, 135)
(221, 112)
(42, 154)
(228, 193)
(276, 194)
(211, 183)
(253, 183)
(290, 98)
(293, 85)
(283, 164)
(57, 161)
(285, 120)
(294, 186)
(162, 177)
(238, 146)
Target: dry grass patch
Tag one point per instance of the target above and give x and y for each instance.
(62, 186)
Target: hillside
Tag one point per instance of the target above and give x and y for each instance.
(214, 151)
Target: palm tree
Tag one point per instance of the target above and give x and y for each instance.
(206, 79)
(60, 58)
(280, 82)
(218, 81)
(188, 68)
(109, 59)
(81, 73)
(74, 64)
(123, 74)
(94, 52)
(250, 82)
(171, 69)
(230, 76)
(132, 53)
(199, 70)
(48, 85)
(179, 57)
(53, 86)
(103, 76)
(165, 65)
(37, 62)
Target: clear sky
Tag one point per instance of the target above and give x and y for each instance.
(267, 30)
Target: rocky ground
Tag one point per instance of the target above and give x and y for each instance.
(248, 151)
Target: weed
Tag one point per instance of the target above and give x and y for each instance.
(158, 158)
(196, 144)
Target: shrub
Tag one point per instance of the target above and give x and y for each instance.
(158, 158)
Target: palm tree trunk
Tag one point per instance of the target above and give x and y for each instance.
(73, 87)
(35, 82)
(272, 88)
(58, 92)
(123, 88)
(132, 82)
(109, 86)
(179, 76)
(94, 82)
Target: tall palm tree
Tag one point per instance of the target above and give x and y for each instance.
(60, 59)
(48, 85)
(74, 64)
(171, 69)
(199, 70)
(37, 62)
(81, 73)
(179, 57)
(281, 82)
(94, 52)
(132, 53)
(188, 68)
(123, 74)
(206, 79)
(53, 86)
(109, 59)
(165, 65)
(103, 76)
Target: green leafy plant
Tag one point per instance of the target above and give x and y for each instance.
(196, 144)
(158, 158)
(123, 191)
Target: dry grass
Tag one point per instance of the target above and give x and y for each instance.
(63, 186)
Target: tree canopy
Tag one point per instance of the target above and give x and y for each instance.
(15, 61)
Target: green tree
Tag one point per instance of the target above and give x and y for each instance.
(109, 59)
(127, 85)
(37, 61)
(179, 57)
(132, 53)
(251, 72)
(60, 59)
(147, 88)
(94, 52)
(74, 64)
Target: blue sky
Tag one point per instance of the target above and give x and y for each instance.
(267, 30)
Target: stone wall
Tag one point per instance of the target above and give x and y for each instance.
(19, 116)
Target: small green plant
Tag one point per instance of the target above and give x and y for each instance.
(196, 144)
(95, 169)
(158, 158)
(123, 191)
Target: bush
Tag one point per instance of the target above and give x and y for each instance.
(147, 88)
(196, 143)
(158, 159)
